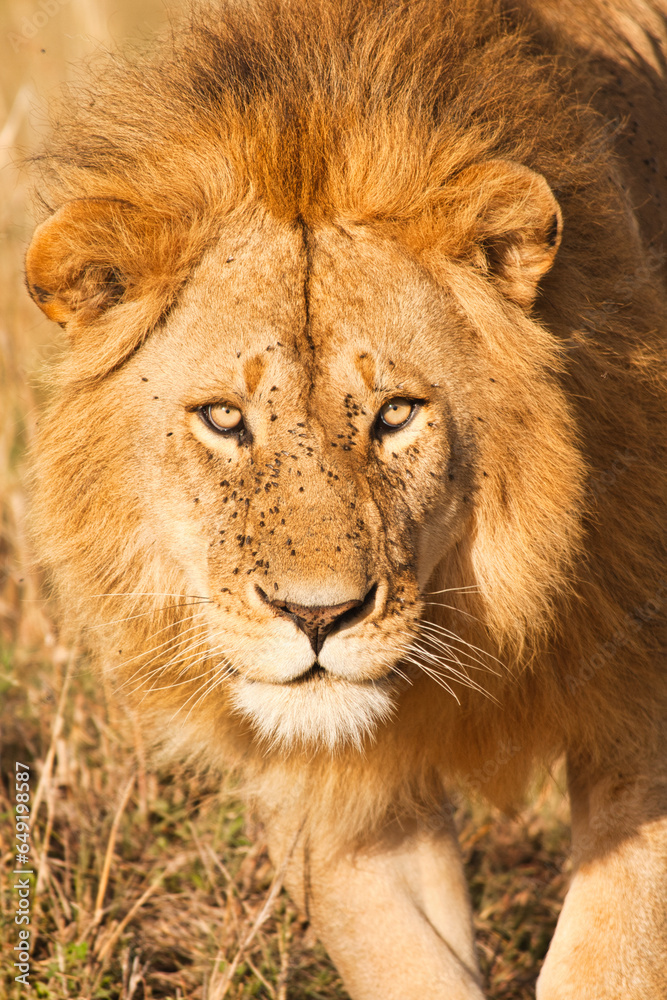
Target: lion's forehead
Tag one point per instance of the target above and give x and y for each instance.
(325, 312)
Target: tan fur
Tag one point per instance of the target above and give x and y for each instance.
(304, 211)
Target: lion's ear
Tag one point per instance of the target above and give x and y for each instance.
(518, 226)
(108, 266)
(80, 260)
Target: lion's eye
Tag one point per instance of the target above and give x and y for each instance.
(396, 413)
(222, 417)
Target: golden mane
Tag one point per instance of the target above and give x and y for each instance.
(374, 117)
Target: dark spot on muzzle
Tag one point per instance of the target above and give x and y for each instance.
(317, 621)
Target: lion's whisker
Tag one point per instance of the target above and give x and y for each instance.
(141, 593)
(188, 664)
(172, 684)
(457, 677)
(470, 588)
(176, 624)
(144, 614)
(185, 656)
(174, 641)
(434, 626)
(155, 649)
(475, 662)
(223, 670)
(437, 678)
(461, 676)
(452, 607)
(452, 652)
(450, 665)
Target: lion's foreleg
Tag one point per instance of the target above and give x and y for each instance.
(611, 938)
(393, 914)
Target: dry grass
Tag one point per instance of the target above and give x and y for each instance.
(151, 884)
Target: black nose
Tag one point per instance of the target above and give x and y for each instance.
(317, 621)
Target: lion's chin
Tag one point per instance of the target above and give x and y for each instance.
(317, 713)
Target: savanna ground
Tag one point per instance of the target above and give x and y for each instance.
(155, 884)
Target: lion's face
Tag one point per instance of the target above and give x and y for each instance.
(300, 462)
(305, 429)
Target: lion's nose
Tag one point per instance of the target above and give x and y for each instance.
(317, 621)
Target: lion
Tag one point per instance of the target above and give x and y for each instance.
(357, 447)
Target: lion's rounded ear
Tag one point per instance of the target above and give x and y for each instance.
(76, 264)
(518, 225)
